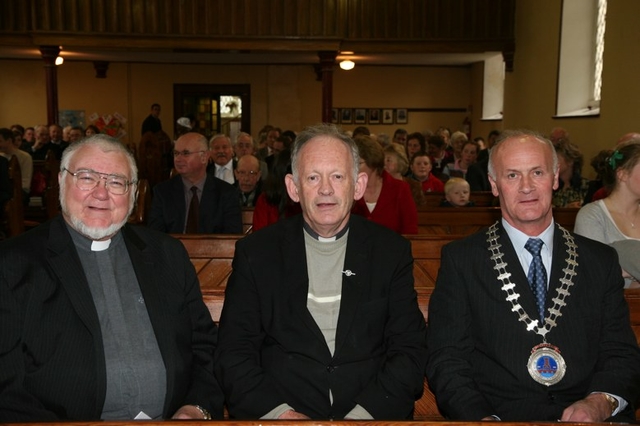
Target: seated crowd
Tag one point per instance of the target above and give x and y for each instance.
(527, 321)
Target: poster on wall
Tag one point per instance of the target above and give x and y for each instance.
(71, 117)
(109, 124)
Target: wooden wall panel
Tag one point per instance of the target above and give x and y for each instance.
(164, 23)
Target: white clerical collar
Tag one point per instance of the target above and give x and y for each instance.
(100, 245)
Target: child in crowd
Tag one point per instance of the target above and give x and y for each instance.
(421, 171)
(456, 193)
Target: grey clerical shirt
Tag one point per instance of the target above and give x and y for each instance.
(136, 375)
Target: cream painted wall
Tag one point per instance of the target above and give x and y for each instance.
(406, 87)
(530, 90)
(286, 96)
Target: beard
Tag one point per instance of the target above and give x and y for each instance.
(94, 233)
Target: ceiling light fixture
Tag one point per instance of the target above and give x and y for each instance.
(347, 65)
(59, 60)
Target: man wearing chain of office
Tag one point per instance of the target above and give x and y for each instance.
(528, 322)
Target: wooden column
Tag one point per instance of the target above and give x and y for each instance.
(49, 55)
(327, 62)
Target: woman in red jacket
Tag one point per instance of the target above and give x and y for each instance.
(387, 201)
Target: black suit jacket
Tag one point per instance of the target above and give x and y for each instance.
(271, 351)
(478, 350)
(219, 207)
(52, 364)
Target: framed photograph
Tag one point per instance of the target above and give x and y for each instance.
(334, 115)
(387, 116)
(374, 116)
(401, 116)
(345, 116)
(360, 116)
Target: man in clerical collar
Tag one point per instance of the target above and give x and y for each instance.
(102, 320)
(527, 321)
(320, 317)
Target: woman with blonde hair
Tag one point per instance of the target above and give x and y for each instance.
(397, 165)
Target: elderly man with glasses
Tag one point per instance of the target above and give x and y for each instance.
(194, 201)
(101, 319)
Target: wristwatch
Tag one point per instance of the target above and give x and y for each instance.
(612, 402)
(205, 414)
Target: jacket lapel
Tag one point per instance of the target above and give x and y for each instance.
(296, 276)
(355, 276)
(145, 269)
(180, 208)
(63, 259)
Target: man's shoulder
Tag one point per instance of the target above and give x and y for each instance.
(587, 245)
(33, 243)
(169, 184)
(215, 184)
(150, 239)
(270, 236)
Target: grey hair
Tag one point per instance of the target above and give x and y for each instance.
(218, 136)
(106, 144)
(510, 134)
(323, 130)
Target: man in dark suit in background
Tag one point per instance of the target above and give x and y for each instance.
(152, 123)
(320, 317)
(215, 208)
(528, 322)
(100, 319)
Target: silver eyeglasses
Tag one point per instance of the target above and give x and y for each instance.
(86, 180)
(185, 153)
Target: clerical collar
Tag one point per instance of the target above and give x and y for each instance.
(100, 245)
(315, 235)
(81, 241)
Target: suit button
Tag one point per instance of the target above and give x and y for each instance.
(330, 368)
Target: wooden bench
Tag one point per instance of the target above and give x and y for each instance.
(212, 256)
(480, 198)
(467, 220)
(452, 221)
(286, 423)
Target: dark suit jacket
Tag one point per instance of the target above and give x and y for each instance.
(271, 351)
(219, 207)
(478, 350)
(52, 364)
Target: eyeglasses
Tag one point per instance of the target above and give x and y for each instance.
(185, 153)
(86, 180)
(243, 173)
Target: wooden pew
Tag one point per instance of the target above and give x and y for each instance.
(480, 198)
(452, 221)
(247, 220)
(143, 203)
(467, 220)
(14, 208)
(212, 256)
(289, 423)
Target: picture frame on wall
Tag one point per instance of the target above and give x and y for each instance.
(334, 115)
(387, 116)
(401, 116)
(374, 116)
(360, 116)
(345, 116)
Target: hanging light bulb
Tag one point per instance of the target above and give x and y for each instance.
(59, 60)
(347, 65)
